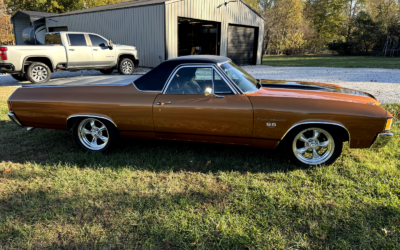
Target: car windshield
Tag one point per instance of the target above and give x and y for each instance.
(243, 80)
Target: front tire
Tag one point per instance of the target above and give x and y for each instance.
(19, 77)
(38, 72)
(95, 135)
(313, 146)
(126, 66)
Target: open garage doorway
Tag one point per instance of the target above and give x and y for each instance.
(198, 37)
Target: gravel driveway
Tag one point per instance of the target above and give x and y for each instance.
(382, 83)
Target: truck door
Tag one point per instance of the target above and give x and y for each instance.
(78, 52)
(103, 56)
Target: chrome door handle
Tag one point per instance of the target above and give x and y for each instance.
(71, 49)
(162, 103)
(95, 49)
(219, 96)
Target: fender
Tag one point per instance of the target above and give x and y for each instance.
(323, 123)
(23, 62)
(93, 116)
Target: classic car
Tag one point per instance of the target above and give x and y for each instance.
(206, 99)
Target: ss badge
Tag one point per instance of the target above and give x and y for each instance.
(271, 125)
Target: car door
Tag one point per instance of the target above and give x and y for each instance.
(78, 52)
(198, 105)
(103, 56)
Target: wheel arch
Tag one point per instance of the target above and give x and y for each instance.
(71, 119)
(125, 55)
(43, 59)
(344, 132)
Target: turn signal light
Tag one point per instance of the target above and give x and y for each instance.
(9, 106)
(388, 124)
(3, 55)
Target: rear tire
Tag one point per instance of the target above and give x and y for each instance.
(38, 72)
(19, 77)
(126, 66)
(313, 146)
(95, 135)
(107, 71)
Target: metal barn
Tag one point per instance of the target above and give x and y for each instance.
(165, 29)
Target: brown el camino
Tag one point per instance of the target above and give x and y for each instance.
(206, 99)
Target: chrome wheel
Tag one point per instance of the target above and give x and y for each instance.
(39, 73)
(93, 134)
(127, 67)
(313, 146)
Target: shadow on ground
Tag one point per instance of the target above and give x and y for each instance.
(53, 147)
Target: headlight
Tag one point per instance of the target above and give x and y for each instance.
(388, 123)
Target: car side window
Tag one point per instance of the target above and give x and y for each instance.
(191, 81)
(98, 41)
(77, 39)
(220, 87)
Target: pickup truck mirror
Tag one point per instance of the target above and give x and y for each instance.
(110, 44)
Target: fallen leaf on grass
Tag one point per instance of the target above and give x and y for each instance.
(244, 246)
(3, 180)
(385, 230)
(396, 221)
(208, 163)
(7, 171)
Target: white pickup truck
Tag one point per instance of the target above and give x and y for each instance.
(71, 51)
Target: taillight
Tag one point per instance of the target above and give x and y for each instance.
(3, 54)
(9, 106)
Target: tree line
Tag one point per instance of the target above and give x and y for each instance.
(349, 27)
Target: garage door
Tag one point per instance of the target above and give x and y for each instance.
(241, 44)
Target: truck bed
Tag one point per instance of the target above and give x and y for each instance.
(106, 80)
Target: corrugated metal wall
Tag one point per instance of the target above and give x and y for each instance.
(212, 10)
(20, 22)
(143, 27)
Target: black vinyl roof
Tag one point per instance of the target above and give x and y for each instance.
(133, 3)
(157, 77)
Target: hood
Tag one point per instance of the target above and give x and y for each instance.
(315, 91)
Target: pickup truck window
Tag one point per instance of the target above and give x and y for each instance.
(77, 39)
(97, 41)
(53, 39)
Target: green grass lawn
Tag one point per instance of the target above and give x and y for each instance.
(333, 61)
(162, 195)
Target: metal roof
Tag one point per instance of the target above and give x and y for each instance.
(134, 3)
(35, 15)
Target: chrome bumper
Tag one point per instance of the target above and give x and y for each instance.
(15, 119)
(381, 140)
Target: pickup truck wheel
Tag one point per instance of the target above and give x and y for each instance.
(38, 72)
(94, 135)
(313, 146)
(19, 77)
(107, 71)
(126, 66)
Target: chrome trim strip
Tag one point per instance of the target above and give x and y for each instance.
(223, 78)
(326, 123)
(381, 140)
(93, 116)
(14, 118)
(88, 85)
(158, 91)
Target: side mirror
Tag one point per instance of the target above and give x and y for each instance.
(110, 44)
(208, 92)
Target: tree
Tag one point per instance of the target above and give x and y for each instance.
(59, 6)
(6, 30)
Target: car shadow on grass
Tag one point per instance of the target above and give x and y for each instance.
(54, 147)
